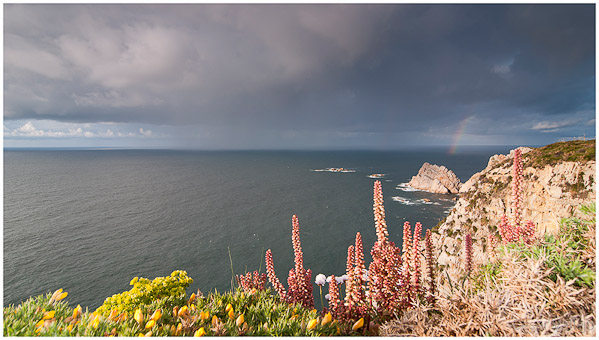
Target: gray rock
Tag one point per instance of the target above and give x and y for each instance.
(437, 179)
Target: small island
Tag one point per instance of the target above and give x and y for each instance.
(335, 170)
(436, 179)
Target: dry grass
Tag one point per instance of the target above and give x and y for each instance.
(521, 301)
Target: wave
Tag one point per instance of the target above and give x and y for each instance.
(407, 201)
(403, 200)
(405, 187)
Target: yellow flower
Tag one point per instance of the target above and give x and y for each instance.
(55, 295)
(49, 315)
(148, 334)
(314, 311)
(141, 335)
(133, 281)
(327, 318)
(157, 315)
(76, 312)
(179, 329)
(204, 315)
(96, 322)
(239, 320)
(191, 298)
(39, 323)
(200, 332)
(150, 324)
(113, 314)
(214, 320)
(193, 307)
(122, 317)
(183, 312)
(312, 324)
(229, 307)
(359, 324)
(231, 314)
(61, 296)
(138, 316)
(70, 328)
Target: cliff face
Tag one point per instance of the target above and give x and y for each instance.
(557, 179)
(437, 179)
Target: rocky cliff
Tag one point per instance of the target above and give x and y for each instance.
(437, 179)
(557, 179)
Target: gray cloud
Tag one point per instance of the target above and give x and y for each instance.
(336, 70)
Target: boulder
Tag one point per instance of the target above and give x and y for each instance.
(437, 179)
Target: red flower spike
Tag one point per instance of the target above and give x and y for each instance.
(379, 213)
(406, 240)
(516, 189)
(270, 269)
(428, 244)
(359, 271)
(468, 247)
(349, 270)
(334, 302)
(515, 231)
(415, 257)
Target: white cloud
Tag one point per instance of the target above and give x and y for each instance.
(146, 133)
(547, 126)
(29, 130)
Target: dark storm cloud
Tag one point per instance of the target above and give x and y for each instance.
(353, 69)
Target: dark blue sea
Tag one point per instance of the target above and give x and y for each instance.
(88, 221)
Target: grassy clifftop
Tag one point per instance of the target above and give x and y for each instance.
(571, 151)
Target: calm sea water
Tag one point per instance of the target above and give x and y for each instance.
(89, 221)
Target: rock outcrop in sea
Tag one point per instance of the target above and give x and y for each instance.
(436, 179)
(557, 180)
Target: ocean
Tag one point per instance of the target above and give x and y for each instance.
(88, 221)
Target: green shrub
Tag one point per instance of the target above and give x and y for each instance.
(162, 292)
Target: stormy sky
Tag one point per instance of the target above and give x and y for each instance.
(297, 76)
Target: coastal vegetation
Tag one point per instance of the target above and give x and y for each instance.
(543, 289)
(528, 283)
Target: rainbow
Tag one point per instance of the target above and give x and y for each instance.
(458, 135)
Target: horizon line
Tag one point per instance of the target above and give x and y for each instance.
(365, 148)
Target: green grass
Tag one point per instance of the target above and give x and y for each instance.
(485, 273)
(563, 253)
(264, 315)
